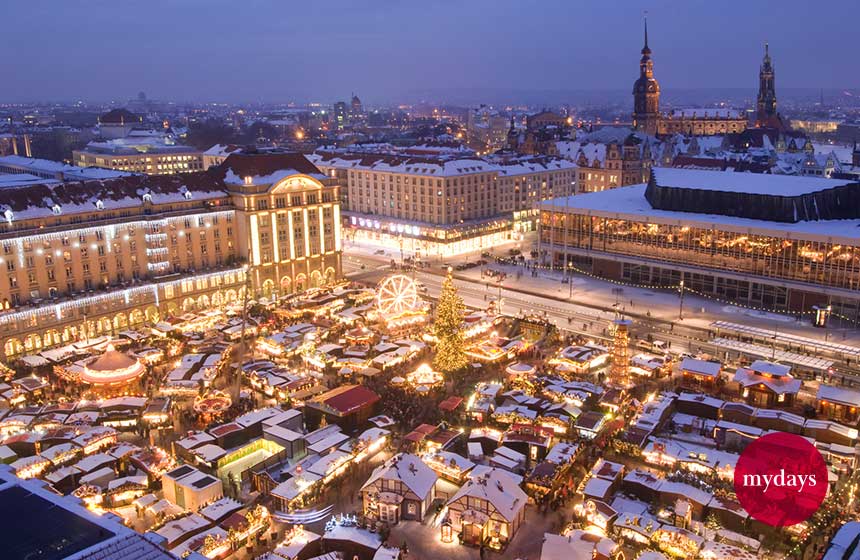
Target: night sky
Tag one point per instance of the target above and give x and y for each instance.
(283, 50)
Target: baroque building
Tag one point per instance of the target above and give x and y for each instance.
(766, 115)
(91, 257)
(648, 119)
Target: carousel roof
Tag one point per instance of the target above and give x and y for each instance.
(111, 360)
(112, 366)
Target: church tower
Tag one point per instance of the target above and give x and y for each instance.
(766, 115)
(646, 93)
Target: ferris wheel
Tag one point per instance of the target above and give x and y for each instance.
(396, 295)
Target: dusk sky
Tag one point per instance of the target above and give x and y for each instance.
(277, 50)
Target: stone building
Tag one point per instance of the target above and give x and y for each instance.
(89, 257)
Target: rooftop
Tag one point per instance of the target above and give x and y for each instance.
(630, 203)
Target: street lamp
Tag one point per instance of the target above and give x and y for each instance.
(681, 301)
(570, 280)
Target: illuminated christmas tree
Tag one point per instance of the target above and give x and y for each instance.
(448, 328)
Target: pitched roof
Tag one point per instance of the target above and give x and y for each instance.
(260, 165)
(499, 489)
(410, 470)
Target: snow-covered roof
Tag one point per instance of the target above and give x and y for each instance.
(630, 203)
(749, 183)
(577, 545)
(706, 113)
(780, 385)
(839, 395)
(701, 367)
(410, 470)
(499, 489)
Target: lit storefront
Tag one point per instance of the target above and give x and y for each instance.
(428, 241)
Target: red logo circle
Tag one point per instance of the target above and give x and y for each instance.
(781, 479)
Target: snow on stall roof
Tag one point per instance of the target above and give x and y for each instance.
(498, 488)
(780, 385)
(578, 545)
(410, 470)
(597, 487)
(701, 367)
(770, 368)
(839, 395)
(630, 203)
(356, 535)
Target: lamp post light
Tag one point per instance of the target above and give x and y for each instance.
(570, 280)
(681, 300)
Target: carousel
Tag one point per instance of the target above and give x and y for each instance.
(424, 378)
(112, 371)
(212, 404)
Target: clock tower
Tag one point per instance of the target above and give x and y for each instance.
(646, 93)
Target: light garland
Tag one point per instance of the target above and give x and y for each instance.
(109, 231)
(119, 297)
(666, 287)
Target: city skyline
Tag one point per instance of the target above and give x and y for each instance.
(387, 52)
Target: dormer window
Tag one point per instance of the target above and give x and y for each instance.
(56, 209)
(187, 195)
(249, 181)
(8, 215)
(100, 205)
(147, 197)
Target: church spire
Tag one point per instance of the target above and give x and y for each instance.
(646, 91)
(766, 114)
(646, 49)
(646, 30)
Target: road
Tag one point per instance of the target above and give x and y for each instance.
(593, 305)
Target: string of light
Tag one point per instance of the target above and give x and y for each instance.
(668, 288)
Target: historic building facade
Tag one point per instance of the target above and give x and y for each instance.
(87, 258)
(433, 205)
(648, 119)
(615, 164)
(766, 115)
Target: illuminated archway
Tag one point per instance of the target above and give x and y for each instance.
(152, 314)
(70, 334)
(172, 309)
(268, 288)
(301, 282)
(104, 326)
(188, 304)
(52, 337)
(230, 296)
(286, 285)
(13, 347)
(88, 330)
(203, 301)
(316, 279)
(136, 317)
(217, 299)
(330, 275)
(33, 343)
(120, 322)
